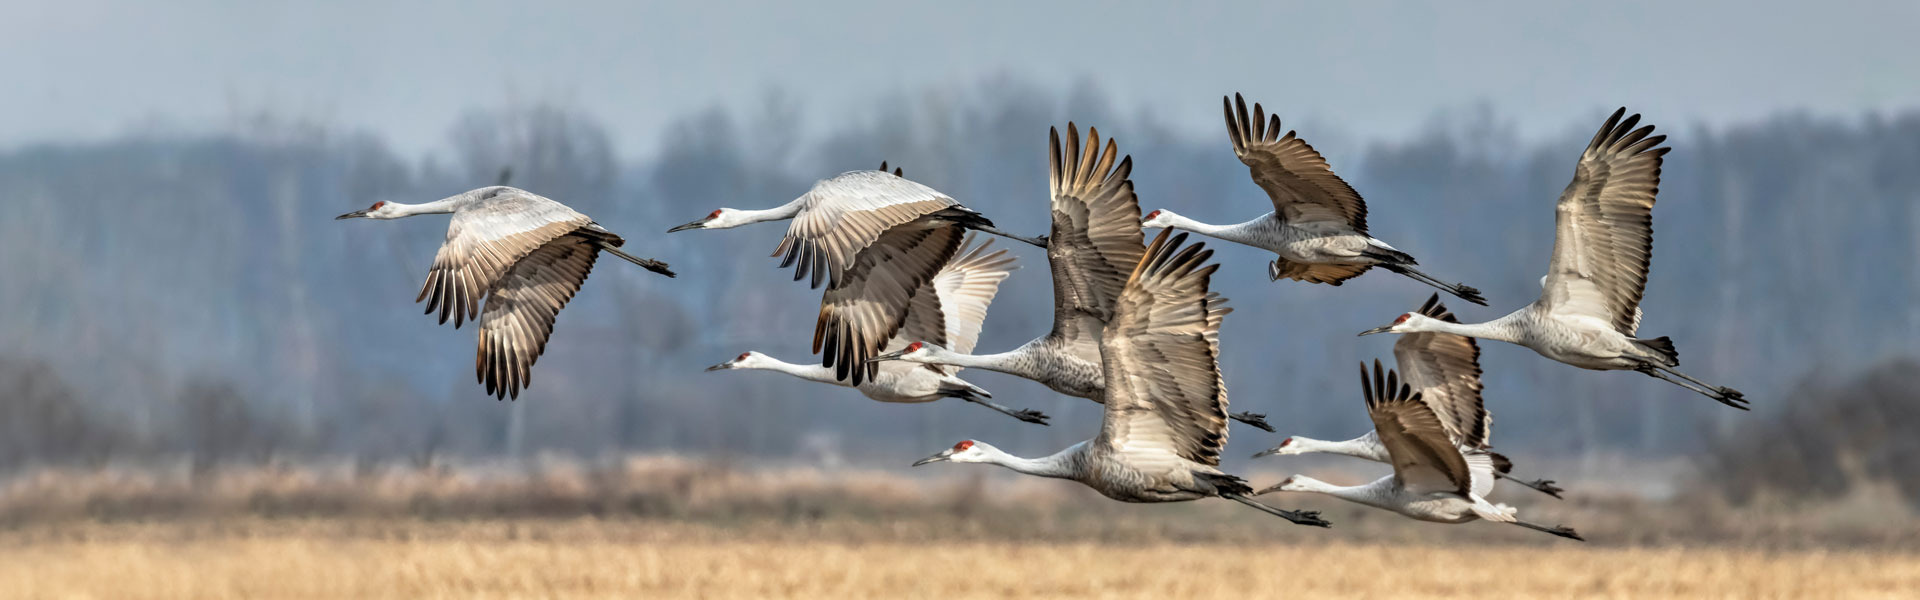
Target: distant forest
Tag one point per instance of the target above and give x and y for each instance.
(191, 295)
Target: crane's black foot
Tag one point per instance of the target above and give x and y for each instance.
(1559, 530)
(1566, 532)
(1305, 517)
(1252, 418)
(1544, 486)
(1030, 416)
(1469, 294)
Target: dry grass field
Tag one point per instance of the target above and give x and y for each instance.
(589, 559)
(656, 527)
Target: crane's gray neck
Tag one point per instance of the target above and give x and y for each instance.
(809, 372)
(1375, 494)
(437, 207)
(1181, 222)
(1059, 465)
(1366, 446)
(1013, 362)
(1504, 329)
(1251, 233)
(778, 213)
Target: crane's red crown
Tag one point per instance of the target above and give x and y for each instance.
(377, 205)
(1283, 443)
(1402, 319)
(743, 356)
(915, 347)
(963, 446)
(1153, 214)
(713, 215)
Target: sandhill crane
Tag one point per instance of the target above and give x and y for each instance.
(526, 254)
(875, 237)
(1445, 370)
(1318, 227)
(955, 302)
(1166, 412)
(1433, 478)
(1095, 242)
(1588, 312)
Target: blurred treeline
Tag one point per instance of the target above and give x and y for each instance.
(173, 295)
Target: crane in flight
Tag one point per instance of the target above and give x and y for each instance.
(1588, 312)
(1094, 245)
(525, 254)
(1165, 420)
(1445, 370)
(951, 306)
(1434, 478)
(874, 238)
(1318, 227)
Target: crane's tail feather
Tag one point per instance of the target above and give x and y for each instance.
(1389, 256)
(1501, 464)
(1662, 346)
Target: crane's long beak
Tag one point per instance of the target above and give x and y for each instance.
(943, 456)
(1268, 452)
(1375, 330)
(358, 214)
(1270, 489)
(720, 366)
(694, 225)
(888, 356)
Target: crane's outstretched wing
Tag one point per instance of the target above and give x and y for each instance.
(867, 304)
(1603, 238)
(520, 311)
(1424, 459)
(848, 213)
(963, 290)
(1444, 369)
(484, 239)
(1304, 190)
(1096, 240)
(1164, 391)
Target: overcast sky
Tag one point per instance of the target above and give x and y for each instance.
(87, 69)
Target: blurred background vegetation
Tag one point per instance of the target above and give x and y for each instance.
(184, 301)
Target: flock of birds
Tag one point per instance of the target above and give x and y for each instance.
(1136, 326)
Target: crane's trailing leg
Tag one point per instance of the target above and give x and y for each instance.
(645, 263)
(1723, 395)
(1037, 241)
(1559, 530)
(1301, 517)
(1253, 418)
(1544, 486)
(1461, 290)
(1030, 416)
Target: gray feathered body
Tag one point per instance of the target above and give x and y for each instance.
(1316, 242)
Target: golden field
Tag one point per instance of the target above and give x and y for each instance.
(590, 559)
(666, 527)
